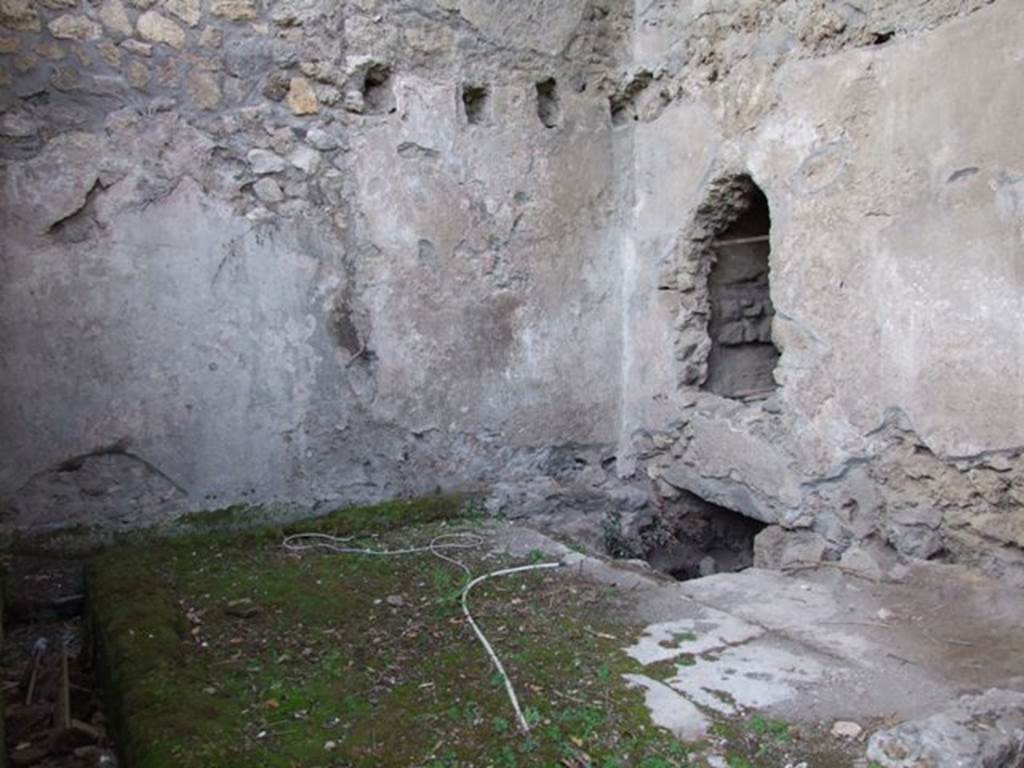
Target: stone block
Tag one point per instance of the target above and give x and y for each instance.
(160, 29)
(73, 27)
(115, 18)
(778, 548)
(189, 11)
(19, 14)
(983, 731)
(301, 97)
(234, 10)
(263, 161)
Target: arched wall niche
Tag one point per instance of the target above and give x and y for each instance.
(724, 343)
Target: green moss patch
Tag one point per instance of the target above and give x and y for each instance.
(360, 661)
(223, 650)
(79, 541)
(343, 521)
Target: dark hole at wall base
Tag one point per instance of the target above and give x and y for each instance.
(743, 357)
(694, 537)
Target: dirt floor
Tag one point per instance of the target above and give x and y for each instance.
(226, 650)
(230, 651)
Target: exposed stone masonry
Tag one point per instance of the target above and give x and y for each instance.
(312, 252)
(742, 359)
(277, 208)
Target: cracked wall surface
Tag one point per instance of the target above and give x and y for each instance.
(264, 250)
(320, 252)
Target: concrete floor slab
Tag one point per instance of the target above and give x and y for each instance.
(820, 645)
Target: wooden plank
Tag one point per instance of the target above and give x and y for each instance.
(742, 240)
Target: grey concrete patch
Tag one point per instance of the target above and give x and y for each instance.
(671, 710)
(824, 645)
(747, 678)
(713, 631)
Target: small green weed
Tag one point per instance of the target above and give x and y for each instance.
(763, 726)
(615, 542)
(507, 758)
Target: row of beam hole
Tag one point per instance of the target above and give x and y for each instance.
(476, 103)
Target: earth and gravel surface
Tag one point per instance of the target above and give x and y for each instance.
(224, 649)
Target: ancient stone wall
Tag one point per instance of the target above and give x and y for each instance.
(883, 137)
(302, 251)
(315, 252)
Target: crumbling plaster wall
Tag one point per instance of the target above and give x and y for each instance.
(253, 251)
(894, 178)
(256, 250)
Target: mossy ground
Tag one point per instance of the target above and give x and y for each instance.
(329, 672)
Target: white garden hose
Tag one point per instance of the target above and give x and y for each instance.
(520, 718)
(304, 542)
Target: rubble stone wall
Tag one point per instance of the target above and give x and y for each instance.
(302, 251)
(316, 252)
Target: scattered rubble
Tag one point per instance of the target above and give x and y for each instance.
(54, 714)
(982, 731)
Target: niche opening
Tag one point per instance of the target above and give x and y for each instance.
(378, 97)
(549, 108)
(742, 357)
(695, 538)
(476, 101)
